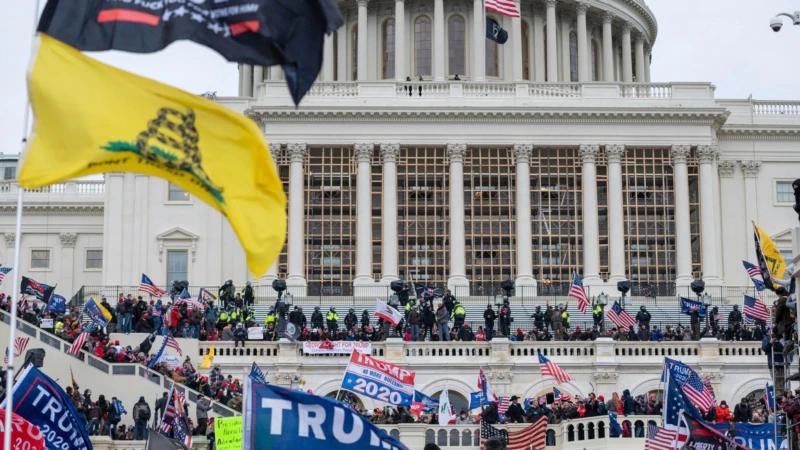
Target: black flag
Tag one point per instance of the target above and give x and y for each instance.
(259, 32)
(495, 32)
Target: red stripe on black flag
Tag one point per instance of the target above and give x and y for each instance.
(244, 27)
(126, 15)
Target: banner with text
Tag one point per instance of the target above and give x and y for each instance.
(228, 433)
(336, 347)
(379, 380)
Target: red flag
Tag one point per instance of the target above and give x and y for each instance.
(24, 434)
(416, 409)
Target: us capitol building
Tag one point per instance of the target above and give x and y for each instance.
(429, 153)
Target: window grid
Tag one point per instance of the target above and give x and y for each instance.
(573, 57)
(785, 193)
(526, 51)
(177, 266)
(557, 213)
(377, 215)
(423, 219)
(456, 36)
(40, 259)
(94, 259)
(282, 163)
(489, 183)
(601, 173)
(177, 193)
(9, 173)
(422, 46)
(330, 220)
(693, 165)
(388, 49)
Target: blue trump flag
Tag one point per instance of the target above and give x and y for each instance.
(97, 312)
(430, 403)
(686, 307)
(613, 424)
(477, 399)
(39, 400)
(282, 418)
(57, 304)
(756, 436)
(257, 374)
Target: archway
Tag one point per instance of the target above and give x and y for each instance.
(458, 401)
(545, 387)
(746, 388)
(348, 398)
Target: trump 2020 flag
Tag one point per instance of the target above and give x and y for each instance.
(430, 403)
(445, 413)
(387, 313)
(86, 123)
(41, 401)
(687, 305)
(97, 312)
(277, 418)
(379, 380)
(57, 304)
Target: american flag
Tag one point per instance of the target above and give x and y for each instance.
(504, 7)
(150, 287)
(559, 396)
(80, 340)
(707, 384)
(542, 400)
(675, 402)
(755, 275)
(19, 347)
(157, 309)
(190, 302)
(698, 393)
(532, 436)
(3, 272)
(658, 438)
(755, 309)
(576, 291)
(620, 317)
(502, 406)
(549, 368)
(170, 341)
(175, 419)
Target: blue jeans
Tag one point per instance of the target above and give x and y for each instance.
(157, 324)
(126, 323)
(489, 332)
(93, 427)
(444, 331)
(195, 327)
(112, 429)
(140, 430)
(414, 332)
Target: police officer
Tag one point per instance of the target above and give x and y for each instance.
(249, 317)
(351, 319)
(565, 319)
(643, 317)
(538, 318)
(449, 301)
(410, 304)
(248, 294)
(332, 319)
(597, 315)
(271, 318)
(365, 319)
(224, 319)
(316, 318)
(489, 316)
(226, 293)
(735, 319)
(237, 316)
(458, 315)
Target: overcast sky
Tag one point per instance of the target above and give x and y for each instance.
(726, 42)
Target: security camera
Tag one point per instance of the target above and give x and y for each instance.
(776, 24)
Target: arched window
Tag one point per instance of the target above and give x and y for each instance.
(492, 59)
(456, 45)
(336, 56)
(354, 34)
(595, 61)
(573, 57)
(422, 46)
(388, 49)
(526, 51)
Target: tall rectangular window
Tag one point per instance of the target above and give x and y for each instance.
(785, 193)
(94, 259)
(177, 194)
(177, 266)
(422, 46)
(388, 49)
(40, 259)
(10, 173)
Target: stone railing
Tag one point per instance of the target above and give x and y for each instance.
(105, 443)
(488, 94)
(70, 187)
(776, 108)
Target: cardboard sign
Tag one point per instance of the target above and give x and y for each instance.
(255, 333)
(172, 360)
(228, 433)
(46, 323)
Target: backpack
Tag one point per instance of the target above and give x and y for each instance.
(144, 413)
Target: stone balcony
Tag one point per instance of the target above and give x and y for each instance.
(82, 194)
(458, 94)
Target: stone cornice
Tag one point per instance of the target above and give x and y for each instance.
(714, 116)
(745, 132)
(57, 210)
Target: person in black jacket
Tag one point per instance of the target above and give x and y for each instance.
(465, 333)
(161, 406)
(538, 318)
(632, 336)
(735, 319)
(490, 414)
(643, 317)
(796, 206)
(428, 319)
(628, 405)
(365, 319)
(515, 414)
(742, 412)
(316, 318)
(350, 320)
(489, 317)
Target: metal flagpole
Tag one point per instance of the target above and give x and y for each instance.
(16, 270)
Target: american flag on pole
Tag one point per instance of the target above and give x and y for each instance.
(620, 317)
(549, 368)
(658, 438)
(170, 341)
(175, 419)
(755, 309)
(532, 436)
(504, 7)
(19, 347)
(3, 272)
(148, 286)
(80, 340)
(698, 393)
(576, 291)
(502, 406)
(559, 396)
(190, 302)
(755, 274)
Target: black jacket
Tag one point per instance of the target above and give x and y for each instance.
(489, 316)
(742, 413)
(515, 414)
(643, 317)
(350, 320)
(490, 414)
(365, 319)
(316, 319)
(734, 316)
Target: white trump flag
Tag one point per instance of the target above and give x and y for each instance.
(445, 414)
(387, 312)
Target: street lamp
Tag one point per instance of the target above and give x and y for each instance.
(602, 300)
(776, 23)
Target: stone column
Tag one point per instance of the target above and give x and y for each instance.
(538, 44)
(591, 232)
(327, 62)
(389, 152)
(295, 249)
(584, 72)
(683, 239)
(647, 58)
(258, 78)
(457, 278)
(439, 53)
(525, 280)
(363, 32)
(616, 214)
(627, 67)
(750, 170)
(245, 80)
(730, 233)
(516, 41)
(608, 48)
(552, 55)
(400, 40)
(478, 42)
(641, 77)
(272, 273)
(707, 155)
(363, 155)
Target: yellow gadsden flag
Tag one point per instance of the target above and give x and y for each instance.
(208, 359)
(774, 260)
(93, 118)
